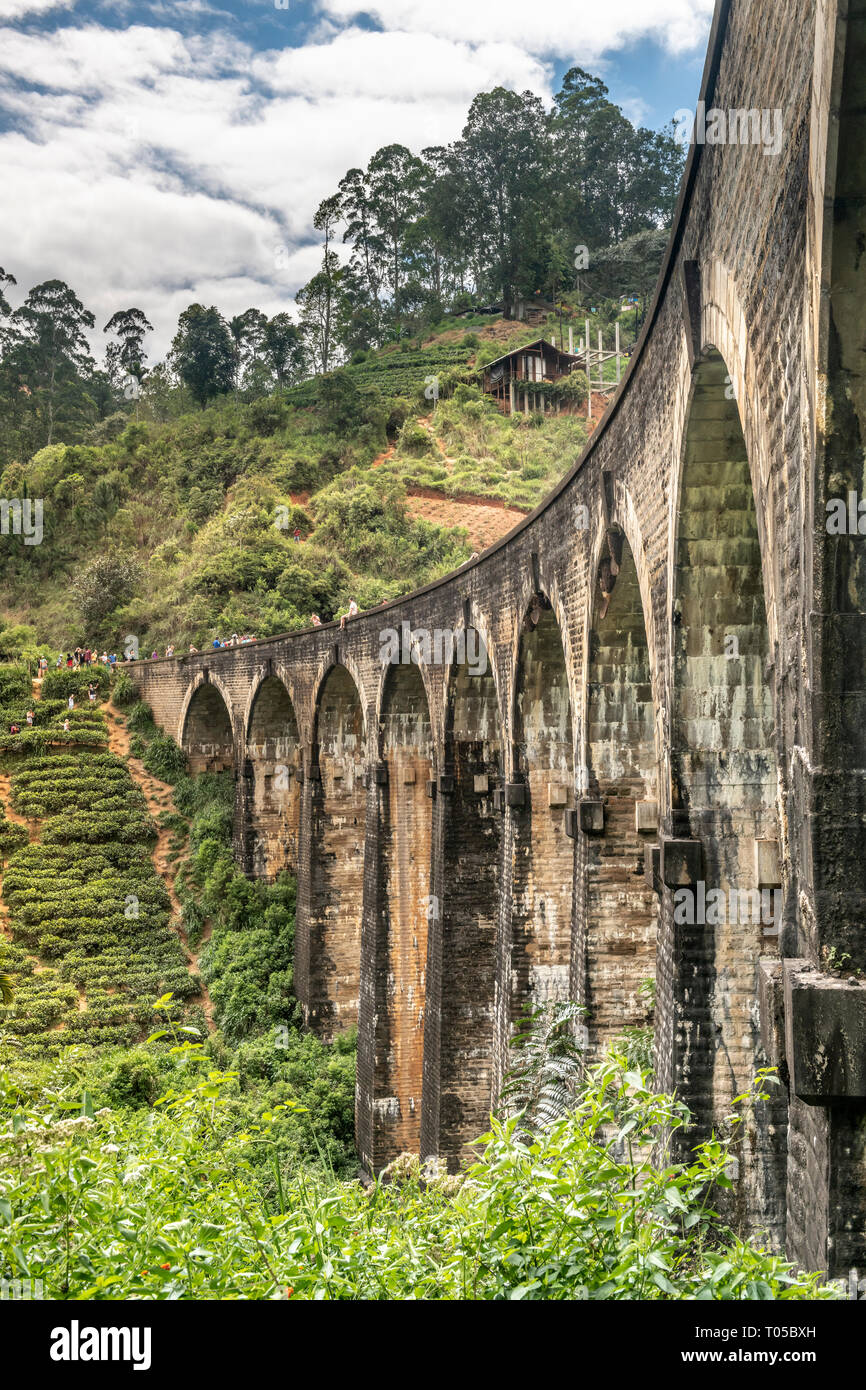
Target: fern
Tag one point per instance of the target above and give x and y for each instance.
(547, 1064)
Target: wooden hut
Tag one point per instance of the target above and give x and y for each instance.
(513, 378)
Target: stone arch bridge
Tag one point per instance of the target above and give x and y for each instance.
(647, 711)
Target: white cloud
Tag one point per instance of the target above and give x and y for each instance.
(20, 9)
(160, 169)
(579, 31)
(155, 168)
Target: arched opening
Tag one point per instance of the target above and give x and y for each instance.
(543, 875)
(271, 781)
(724, 780)
(406, 905)
(620, 918)
(207, 731)
(472, 868)
(338, 814)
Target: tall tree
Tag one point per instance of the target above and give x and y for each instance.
(283, 349)
(5, 310)
(51, 354)
(129, 327)
(505, 160)
(361, 231)
(317, 305)
(202, 354)
(247, 333)
(325, 221)
(395, 177)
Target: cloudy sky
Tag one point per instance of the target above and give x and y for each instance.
(158, 152)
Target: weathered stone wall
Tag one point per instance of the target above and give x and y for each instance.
(742, 412)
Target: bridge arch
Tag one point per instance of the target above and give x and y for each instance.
(724, 780)
(205, 727)
(617, 926)
(271, 790)
(333, 892)
(406, 902)
(542, 854)
(472, 846)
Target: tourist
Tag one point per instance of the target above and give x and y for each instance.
(91, 692)
(14, 728)
(169, 651)
(69, 661)
(192, 648)
(297, 534)
(216, 642)
(66, 726)
(316, 620)
(70, 703)
(30, 719)
(352, 613)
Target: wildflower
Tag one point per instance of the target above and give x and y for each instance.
(165, 1266)
(289, 1292)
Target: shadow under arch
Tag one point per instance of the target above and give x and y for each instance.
(207, 737)
(405, 908)
(271, 787)
(724, 784)
(541, 854)
(334, 890)
(620, 910)
(472, 839)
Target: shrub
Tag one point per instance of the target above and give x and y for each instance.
(414, 439)
(124, 690)
(59, 682)
(163, 759)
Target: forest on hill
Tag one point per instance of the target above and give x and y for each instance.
(265, 470)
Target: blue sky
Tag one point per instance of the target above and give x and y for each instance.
(164, 151)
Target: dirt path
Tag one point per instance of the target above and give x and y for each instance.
(486, 520)
(158, 796)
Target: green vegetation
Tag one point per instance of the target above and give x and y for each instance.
(177, 1202)
(89, 917)
(472, 448)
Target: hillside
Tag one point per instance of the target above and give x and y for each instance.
(175, 526)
